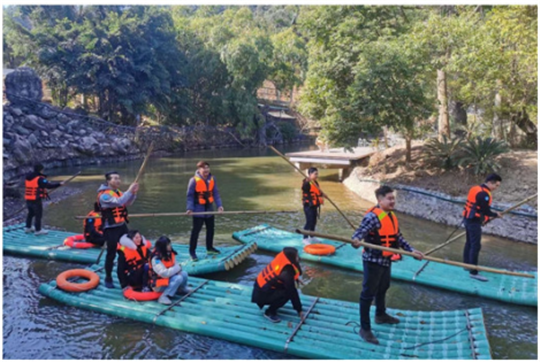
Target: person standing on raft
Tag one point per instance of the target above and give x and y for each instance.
(202, 192)
(36, 186)
(312, 199)
(275, 284)
(112, 203)
(477, 212)
(379, 227)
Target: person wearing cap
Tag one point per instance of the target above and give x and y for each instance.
(111, 202)
(202, 193)
(36, 186)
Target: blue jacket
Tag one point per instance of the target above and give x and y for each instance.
(191, 203)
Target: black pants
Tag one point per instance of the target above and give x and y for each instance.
(311, 218)
(473, 245)
(275, 299)
(137, 279)
(35, 209)
(196, 229)
(375, 285)
(112, 237)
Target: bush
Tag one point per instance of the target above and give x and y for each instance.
(444, 153)
(288, 131)
(480, 154)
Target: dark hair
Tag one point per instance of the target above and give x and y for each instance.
(311, 170)
(161, 248)
(493, 178)
(38, 167)
(109, 174)
(131, 234)
(202, 164)
(291, 254)
(383, 191)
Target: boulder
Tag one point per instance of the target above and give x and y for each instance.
(35, 123)
(22, 151)
(21, 130)
(21, 84)
(88, 146)
(17, 112)
(47, 112)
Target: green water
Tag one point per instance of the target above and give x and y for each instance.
(250, 180)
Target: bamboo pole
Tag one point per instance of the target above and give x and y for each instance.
(201, 213)
(314, 184)
(141, 169)
(438, 247)
(50, 192)
(403, 252)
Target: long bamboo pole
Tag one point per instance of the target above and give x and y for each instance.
(50, 192)
(159, 214)
(438, 247)
(314, 184)
(403, 252)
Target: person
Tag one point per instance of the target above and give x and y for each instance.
(93, 229)
(133, 254)
(167, 276)
(312, 199)
(36, 186)
(476, 212)
(379, 227)
(111, 203)
(275, 284)
(202, 192)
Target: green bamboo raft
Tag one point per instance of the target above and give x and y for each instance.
(16, 242)
(223, 310)
(500, 287)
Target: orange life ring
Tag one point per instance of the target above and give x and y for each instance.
(131, 294)
(74, 241)
(320, 249)
(63, 283)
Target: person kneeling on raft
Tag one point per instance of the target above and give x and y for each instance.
(275, 285)
(93, 228)
(133, 268)
(166, 275)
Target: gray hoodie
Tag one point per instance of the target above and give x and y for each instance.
(109, 202)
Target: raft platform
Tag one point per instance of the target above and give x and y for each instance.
(17, 242)
(505, 288)
(224, 311)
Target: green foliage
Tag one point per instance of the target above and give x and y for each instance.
(445, 153)
(288, 131)
(480, 154)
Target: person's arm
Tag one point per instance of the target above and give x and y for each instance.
(306, 188)
(190, 198)
(369, 223)
(287, 277)
(403, 244)
(45, 184)
(162, 270)
(482, 200)
(131, 200)
(109, 201)
(217, 197)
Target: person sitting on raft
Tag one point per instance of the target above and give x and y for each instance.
(133, 253)
(92, 228)
(275, 285)
(167, 276)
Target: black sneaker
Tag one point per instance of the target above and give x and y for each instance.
(271, 317)
(368, 336)
(386, 319)
(193, 257)
(109, 283)
(212, 251)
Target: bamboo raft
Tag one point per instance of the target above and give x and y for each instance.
(16, 242)
(504, 288)
(224, 310)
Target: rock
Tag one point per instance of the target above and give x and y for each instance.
(23, 83)
(75, 124)
(7, 142)
(22, 131)
(82, 132)
(57, 134)
(47, 112)
(44, 134)
(61, 128)
(33, 122)
(16, 112)
(22, 150)
(88, 146)
(32, 139)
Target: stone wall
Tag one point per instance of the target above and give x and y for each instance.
(432, 208)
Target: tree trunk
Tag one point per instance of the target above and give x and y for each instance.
(408, 141)
(442, 96)
(521, 119)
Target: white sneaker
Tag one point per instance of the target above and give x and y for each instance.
(41, 232)
(29, 230)
(479, 277)
(163, 299)
(314, 240)
(306, 241)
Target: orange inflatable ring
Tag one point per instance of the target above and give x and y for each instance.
(75, 242)
(63, 283)
(131, 294)
(320, 249)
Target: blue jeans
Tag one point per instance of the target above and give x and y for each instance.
(176, 282)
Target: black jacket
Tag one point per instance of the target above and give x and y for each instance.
(287, 286)
(42, 182)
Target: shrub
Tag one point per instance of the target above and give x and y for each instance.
(480, 153)
(288, 131)
(444, 153)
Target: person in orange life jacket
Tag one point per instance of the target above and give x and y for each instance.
(275, 284)
(133, 255)
(112, 203)
(202, 192)
(92, 228)
(166, 274)
(476, 212)
(36, 185)
(380, 227)
(312, 199)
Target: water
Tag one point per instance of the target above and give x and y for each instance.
(38, 328)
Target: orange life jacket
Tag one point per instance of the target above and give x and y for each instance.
(157, 280)
(387, 235)
(203, 192)
(32, 190)
(114, 215)
(471, 209)
(274, 269)
(314, 197)
(135, 259)
(96, 220)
